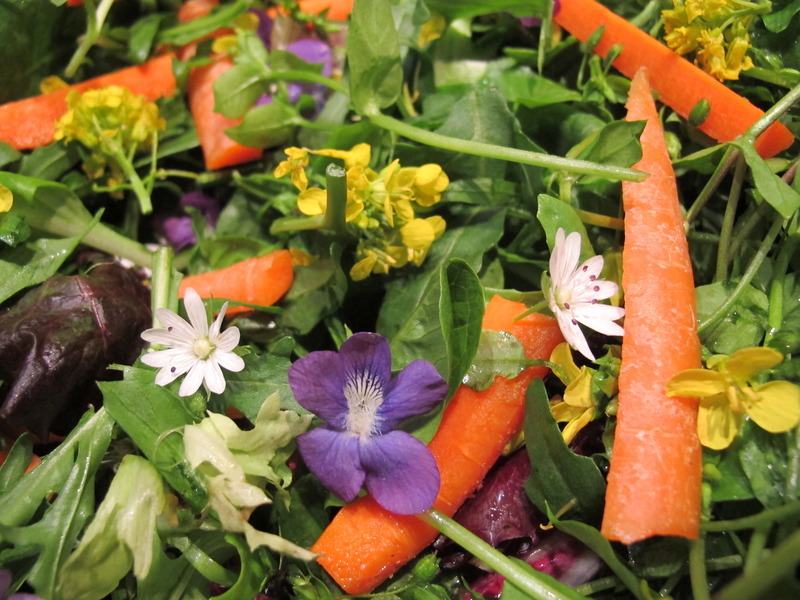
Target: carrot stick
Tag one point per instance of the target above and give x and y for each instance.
(219, 150)
(337, 10)
(30, 123)
(365, 544)
(260, 280)
(656, 460)
(679, 83)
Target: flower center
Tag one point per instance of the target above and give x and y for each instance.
(364, 396)
(563, 297)
(202, 348)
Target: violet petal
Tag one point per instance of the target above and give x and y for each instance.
(415, 391)
(333, 456)
(317, 381)
(209, 207)
(367, 354)
(313, 51)
(402, 474)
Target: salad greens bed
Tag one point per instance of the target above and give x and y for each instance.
(506, 129)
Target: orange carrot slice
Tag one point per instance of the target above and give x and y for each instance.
(365, 544)
(337, 10)
(679, 83)
(261, 280)
(219, 150)
(656, 460)
(30, 123)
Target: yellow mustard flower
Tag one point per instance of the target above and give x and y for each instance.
(377, 260)
(6, 199)
(296, 165)
(430, 181)
(576, 407)
(52, 84)
(432, 29)
(314, 201)
(360, 154)
(727, 393)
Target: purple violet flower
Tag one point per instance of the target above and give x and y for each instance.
(354, 393)
(176, 228)
(5, 583)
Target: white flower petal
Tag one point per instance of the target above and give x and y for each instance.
(162, 358)
(162, 336)
(229, 360)
(214, 379)
(196, 311)
(573, 335)
(174, 323)
(228, 339)
(193, 379)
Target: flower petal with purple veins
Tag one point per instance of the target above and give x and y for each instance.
(415, 391)
(317, 381)
(364, 353)
(333, 457)
(401, 473)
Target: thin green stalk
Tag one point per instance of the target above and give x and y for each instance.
(336, 208)
(724, 165)
(782, 562)
(95, 17)
(164, 285)
(746, 278)
(538, 159)
(776, 288)
(755, 548)
(726, 230)
(106, 239)
(770, 515)
(308, 77)
(533, 584)
(697, 569)
(747, 225)
(774, 113)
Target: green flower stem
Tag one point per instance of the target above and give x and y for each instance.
(726, 230)
(308, 77)
(776, 289)
(746, 278)
(774, 113)
(106, 239)
(780, 563)
(95, 17)
(336, 207)
(533, 584)
(538, 159)
(297, 224)
(164, 283)
(697, 569)
(770, 515)
(724, 165)
(136, 183)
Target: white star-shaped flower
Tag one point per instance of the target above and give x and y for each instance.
(193, 347)
(575, 292)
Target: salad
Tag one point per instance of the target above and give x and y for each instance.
(408, 299)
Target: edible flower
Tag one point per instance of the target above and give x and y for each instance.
(361, 405)
(574, 293)
(6, 199)
(577, 406)
(193, 347)
(728, 391)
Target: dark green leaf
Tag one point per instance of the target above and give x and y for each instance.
(266, 126)
(781, 19)
(523, 86)
(8, 155)
(763, 457)
(409, 316)
(32, 263)
(559, 479)
(317, 291)
(772, 188)
(474, 8)
(13, 231)
(142, 36)
(743, 326)
(616, 144)
(373, 56)
(238, 88)
(189, 32)
(154, 417)
(499, 353)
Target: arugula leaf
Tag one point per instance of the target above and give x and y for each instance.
(373, 56)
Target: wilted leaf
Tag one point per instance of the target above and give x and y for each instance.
(60, 337)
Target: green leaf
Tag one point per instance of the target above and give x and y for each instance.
(473, 8)
(317, 291)
(499, 353)
(524, 86)
(221, 16)
(410, 315)
(8, 155)
(559, 478)
(617, 143)
(554, 214)
(373, 56)
(32, 263)
(743, 326)
(238, 88)
(13, 229)
(266, 126)
(764, 460)
(154, 418)
(142, 37)
(461, 307)
(772, 188)
(602, 547)
(781, 19)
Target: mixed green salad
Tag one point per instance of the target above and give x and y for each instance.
(176, 425)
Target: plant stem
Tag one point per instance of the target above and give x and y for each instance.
(781, 562)
(336, 207)
(726, 230)
(770, 515)
(538, 159)
(532, 583)
(746, 278)
(697, 569)
(95, 17)
(724, 165)
(106, 239)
